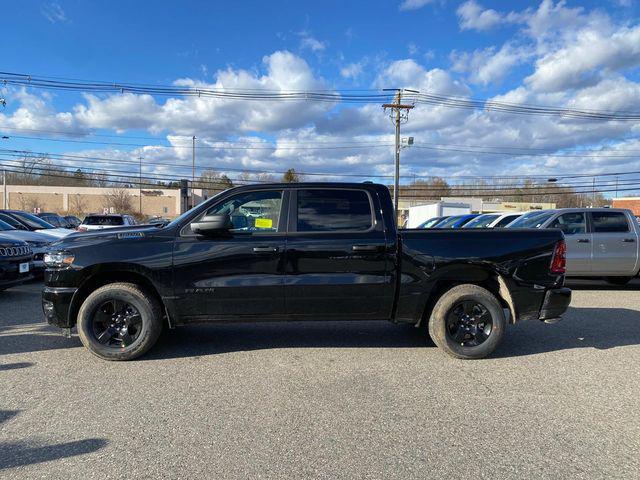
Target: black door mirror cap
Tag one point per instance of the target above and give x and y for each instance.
(212, 224)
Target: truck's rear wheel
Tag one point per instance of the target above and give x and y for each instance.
(119, 321)
(467, 322)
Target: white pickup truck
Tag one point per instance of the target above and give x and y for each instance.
(601, 242)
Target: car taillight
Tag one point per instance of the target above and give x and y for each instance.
(559, 260)
(81, 229)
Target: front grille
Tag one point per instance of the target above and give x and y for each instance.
(15, 251)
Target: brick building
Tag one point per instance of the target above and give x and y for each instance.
(83, 200)
(632, 203)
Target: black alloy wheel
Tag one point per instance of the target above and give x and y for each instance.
(116, 324)
(469, 323)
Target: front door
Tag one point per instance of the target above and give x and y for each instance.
(578, 239)
(237, 273)
(337, 264)
(615, 246)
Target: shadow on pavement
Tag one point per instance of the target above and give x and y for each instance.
(15, 366)
(600, 328)
(33, 338)
(16, 454)
(19, 453)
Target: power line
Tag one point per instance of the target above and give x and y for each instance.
(332, 96)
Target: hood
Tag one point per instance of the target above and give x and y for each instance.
(6, 241)
(106, 235)
(56, 232)
(29, 236)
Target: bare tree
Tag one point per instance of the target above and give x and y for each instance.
(119, 200)
(77, 206)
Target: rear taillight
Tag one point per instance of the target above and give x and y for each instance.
(559, 260)
(81, 229)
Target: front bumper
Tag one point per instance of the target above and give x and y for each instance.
(556, 301)
(10, 275)
(55, 305)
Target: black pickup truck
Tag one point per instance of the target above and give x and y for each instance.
(306, 251)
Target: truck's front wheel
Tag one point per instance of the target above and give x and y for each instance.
(119, 321)
(467, 322)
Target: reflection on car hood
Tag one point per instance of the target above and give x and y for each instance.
(56, 232)
(29, 236)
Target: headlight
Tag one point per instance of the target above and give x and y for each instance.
(58, 259)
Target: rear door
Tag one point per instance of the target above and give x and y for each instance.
(615, 246)
(578, 239)
(337, 261)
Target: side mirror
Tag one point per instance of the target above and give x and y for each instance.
(212, 224)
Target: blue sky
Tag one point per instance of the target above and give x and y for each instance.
(578, 54)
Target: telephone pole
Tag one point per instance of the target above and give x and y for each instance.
(399, 114)
(140, 184)
(193, 170)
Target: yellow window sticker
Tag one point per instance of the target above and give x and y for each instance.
(264, 223)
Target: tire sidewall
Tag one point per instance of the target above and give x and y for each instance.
(438, 321)
(151, 326)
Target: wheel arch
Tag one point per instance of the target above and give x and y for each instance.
(114, 274)
(481, 275)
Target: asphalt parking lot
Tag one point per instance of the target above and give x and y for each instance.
(326, 400)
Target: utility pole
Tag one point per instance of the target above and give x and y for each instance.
(593, 197)
(399, 115)
(193, 170)
(140, 184)
(4, 189)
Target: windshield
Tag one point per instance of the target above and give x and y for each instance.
(430, 223)
(4, 226)
(32, 221)
(178, 219)
(103, 220)
(449, 222)
(482, 221)
(531, 220)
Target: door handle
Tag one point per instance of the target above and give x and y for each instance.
(583, 240)
(367, 248)
(628, 240)
(265, 249)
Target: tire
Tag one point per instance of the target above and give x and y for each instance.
(620, 281)
(447, 311)
(141, 334)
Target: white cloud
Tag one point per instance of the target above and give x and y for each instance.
(53, 12)
(352, 71)
(475, 17)
(488, 66)
(586, 59)
(413, 4)
(310, 43)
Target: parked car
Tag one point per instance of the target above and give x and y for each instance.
(15, 262)
(431, 222)
(36, 240)
(111, 220)
(532, 219)
(33, 223)
(505, 219)
(456, 221)
(482, 221)
(601, 242)
(301, 251)
(55, 220)
(73, 221)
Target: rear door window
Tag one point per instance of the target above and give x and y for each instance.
(334, 210)
(570, 223)
(609, 222)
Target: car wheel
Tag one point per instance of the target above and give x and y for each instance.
(467, 322)
(119, 321)
(620, 281)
